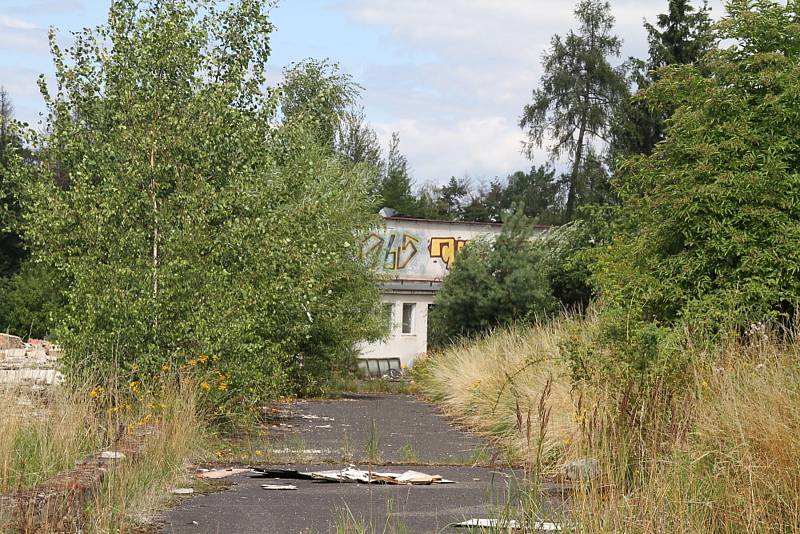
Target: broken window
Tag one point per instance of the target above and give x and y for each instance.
(408, 317)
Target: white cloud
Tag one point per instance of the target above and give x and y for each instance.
(480, 147)
(16, 24)
(458, 112)
(21, 36)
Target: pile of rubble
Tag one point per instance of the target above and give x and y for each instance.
(33, 364)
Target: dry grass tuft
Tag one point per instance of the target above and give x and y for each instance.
(50, 432)
(736, 470)
(512, 386)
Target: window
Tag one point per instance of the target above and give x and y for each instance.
(408, 317)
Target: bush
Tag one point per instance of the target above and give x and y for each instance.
(30, 301)
(494, 283)
(712, 217)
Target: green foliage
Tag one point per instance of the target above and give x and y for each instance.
(682, 36)
(569, 259)
(578, 94)
(189, 223)
(30, 300)
(708, 231)
(536, 192)
(494, 283)
(394, 189)
(318, 95)
(12, 153)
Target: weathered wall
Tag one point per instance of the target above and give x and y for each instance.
(32, 364)
(405, 347)
(416, 255)
(422, 250)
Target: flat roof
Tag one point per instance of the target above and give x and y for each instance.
(416, 219)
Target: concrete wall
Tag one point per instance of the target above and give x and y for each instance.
(403, 346)
(415, 249)
(415, 255)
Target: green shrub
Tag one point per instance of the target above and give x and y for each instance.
(712, 217)
(494, 283)
(30, 301)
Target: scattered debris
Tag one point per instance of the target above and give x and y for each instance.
(28, 364)
(352, 474)
(7, 341)
(182, 491)
(278, 487)
(323, 426)
(510, 524)
(112, 455)
(316, 417)
(490, 523)
(222, 473)
(287, 450)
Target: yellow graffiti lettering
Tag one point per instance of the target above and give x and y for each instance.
(398, 250)
(446, 248)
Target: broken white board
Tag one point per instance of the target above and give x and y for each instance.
(222, 473)
(510, 524)
(353, 474)
(278, 487)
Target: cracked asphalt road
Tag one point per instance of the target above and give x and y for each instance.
(403, 424)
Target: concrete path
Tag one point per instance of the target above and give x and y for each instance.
(402, 428)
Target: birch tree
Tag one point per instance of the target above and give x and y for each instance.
(186, 219)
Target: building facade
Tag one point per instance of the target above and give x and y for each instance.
(415, 255)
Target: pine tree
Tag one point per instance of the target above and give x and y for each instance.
(578, 94)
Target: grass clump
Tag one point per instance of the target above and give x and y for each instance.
(63, 426)
(512, 386)
(713, 447)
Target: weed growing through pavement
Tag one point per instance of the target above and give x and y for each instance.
(348, 523)
(407, 454)
(347, 448)
(372, 447)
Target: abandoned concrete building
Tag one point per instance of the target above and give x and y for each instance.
(415, 255)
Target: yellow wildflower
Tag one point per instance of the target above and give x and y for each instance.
(222, 386)
(206, 386)
(96, 392)
(202, 358)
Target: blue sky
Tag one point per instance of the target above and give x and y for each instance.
(451, 76)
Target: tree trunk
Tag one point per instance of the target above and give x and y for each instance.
(154, 199)
(572, 194)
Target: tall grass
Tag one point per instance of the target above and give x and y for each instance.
(64, 425)
(133, 491)
(512, 386)
(719, 453)
(736, 469)
(43, 434)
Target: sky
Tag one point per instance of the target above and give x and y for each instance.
(450, 76)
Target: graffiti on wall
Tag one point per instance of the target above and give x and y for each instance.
(446, 248)
(398, 250)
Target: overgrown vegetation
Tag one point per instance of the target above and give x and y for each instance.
(181, 220)
(677, 384)
(46, 434)
(524, 275)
